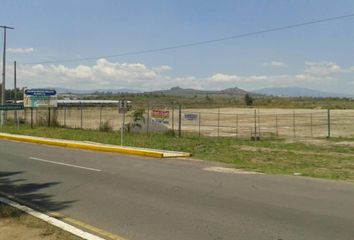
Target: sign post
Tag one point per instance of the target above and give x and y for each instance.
(122, 109)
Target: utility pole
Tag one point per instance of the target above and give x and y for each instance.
(3, 74)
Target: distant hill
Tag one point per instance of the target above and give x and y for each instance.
(297, 92)
(82, 92)
(178, 91)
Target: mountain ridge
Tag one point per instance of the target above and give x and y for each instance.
(235, 91)
(298, 92)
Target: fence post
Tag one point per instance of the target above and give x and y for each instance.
(173, 116)
(64, 115)
(199, 119)
(100, 116)
(122, 129)
(255, 124)
(329, 123)
(276, 125)
(31, 117)
(236, 125)
(311, 125)
(259, 124)
(17, 121)
(25, 115)
(15, 117)
(294, 123)
(80, 115)
(148, 119)
(180, 120)
(218, 121)
(49, 117)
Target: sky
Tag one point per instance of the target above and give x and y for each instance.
(318, 56)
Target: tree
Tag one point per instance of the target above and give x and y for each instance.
(248, 100)
(10, 93)
(208, 98)
(138, 119)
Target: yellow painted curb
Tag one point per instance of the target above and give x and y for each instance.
(95, 147)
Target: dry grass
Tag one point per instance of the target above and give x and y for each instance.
(17, 225)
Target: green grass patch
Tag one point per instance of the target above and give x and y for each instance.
(275, 156)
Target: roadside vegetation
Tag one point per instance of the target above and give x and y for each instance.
(15, 224)
(141, 100)
(321, 158)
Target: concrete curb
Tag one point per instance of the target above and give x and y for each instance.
(53, 221)
(95, 146)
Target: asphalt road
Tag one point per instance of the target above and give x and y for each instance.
(142, 198)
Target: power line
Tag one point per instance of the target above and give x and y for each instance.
(204, 42)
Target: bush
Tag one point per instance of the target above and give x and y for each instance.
(248, 100)
(138, 120)
(22, 120)
(170, 133)
(105, 127)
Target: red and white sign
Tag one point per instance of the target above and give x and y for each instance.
(162, 114)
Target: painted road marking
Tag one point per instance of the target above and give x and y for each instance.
(65, 164)
(107, 235)
(228, 170)
(53, 221)
(91, 228)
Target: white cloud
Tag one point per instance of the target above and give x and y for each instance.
(163, 68)
(103, 74)
(110, 75)
(20, 50)
(256, 78)
(323, 68)
(220, 77)
(275, 64)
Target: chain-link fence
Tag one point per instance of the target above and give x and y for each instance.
(230, 122)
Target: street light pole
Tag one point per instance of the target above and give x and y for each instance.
(3, 74)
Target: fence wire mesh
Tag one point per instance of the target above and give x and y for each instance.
(222, 122)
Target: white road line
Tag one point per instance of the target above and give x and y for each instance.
(64, 164)
(53, 221)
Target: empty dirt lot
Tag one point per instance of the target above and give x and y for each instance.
(240, 122)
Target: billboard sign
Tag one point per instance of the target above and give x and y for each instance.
(160, 116)
(191, 116)
(41, 92)
(37, 98)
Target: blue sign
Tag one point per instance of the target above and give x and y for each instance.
(191, 116)
(11, 106)
(40, 92)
